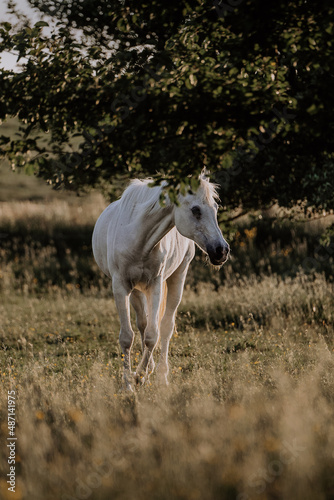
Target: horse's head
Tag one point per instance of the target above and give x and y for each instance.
(196, 219)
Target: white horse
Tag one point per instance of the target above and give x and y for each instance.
(146, 248)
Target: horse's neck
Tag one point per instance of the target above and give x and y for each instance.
(155, 226)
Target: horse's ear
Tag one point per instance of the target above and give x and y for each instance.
(205, 174)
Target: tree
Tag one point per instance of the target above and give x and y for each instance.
(243, 87)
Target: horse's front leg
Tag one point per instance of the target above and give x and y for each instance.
(126, 335)
(175, 286)
(154, 296)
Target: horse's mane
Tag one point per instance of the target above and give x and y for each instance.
(207, 190)
(140, 194)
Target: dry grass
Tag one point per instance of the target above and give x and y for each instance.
(57, 212)
(248, 413)
(249, 410)
(47, 245)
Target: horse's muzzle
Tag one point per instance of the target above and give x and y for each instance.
(219, 254)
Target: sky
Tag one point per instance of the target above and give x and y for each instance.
(8, 61)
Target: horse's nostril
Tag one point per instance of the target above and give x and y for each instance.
(222, 250)
(219, 251)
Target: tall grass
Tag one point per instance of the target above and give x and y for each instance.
(249, 410)
(48, 245)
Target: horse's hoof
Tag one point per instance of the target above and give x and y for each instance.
(162, 376)
(162, 380)
(139, 379)
(128, 388)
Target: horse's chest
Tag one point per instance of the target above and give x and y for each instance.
(142, 271)
(143, 274)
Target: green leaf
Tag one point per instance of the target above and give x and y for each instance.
(41, 24)
(233, 71)
(188, 84)
(6, 26)
(312, 109)
(194, 183)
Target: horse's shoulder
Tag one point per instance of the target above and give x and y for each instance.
(190, 253)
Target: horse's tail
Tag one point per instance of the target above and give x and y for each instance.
(163, 302)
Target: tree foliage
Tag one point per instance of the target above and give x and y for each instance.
(124, 88)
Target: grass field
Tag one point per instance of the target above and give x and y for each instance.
(249, 410)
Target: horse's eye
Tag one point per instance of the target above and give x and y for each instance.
(196, 212)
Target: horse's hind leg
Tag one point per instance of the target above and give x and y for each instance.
(138, 302)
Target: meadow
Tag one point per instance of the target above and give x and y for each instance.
(249, 410)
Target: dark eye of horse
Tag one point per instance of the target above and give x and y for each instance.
(196, 212)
